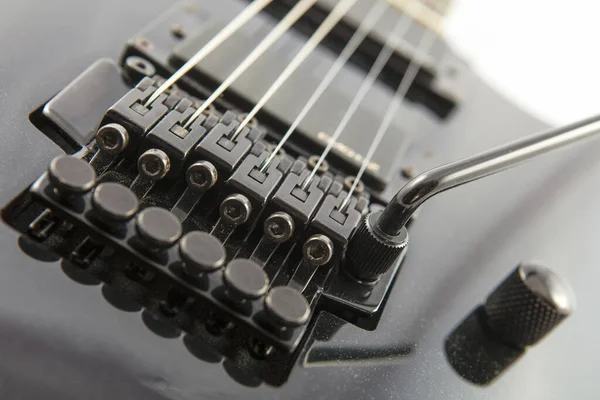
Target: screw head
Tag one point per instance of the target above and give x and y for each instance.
(317, 250)
(143, 43)
(210, 110)
(260, 349)
(235, 209)
(279, 227)
(349, 181)
(201, 176)
(312, 161)
(408, 172)
(178, 31)
(71, 175)
(280, 153)
(112, 139)
(140, 66)
(154, 164)
(253, 122)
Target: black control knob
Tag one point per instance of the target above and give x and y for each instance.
(71, 176)
(201, 253)
(522, 309)
(528, 304)
(371, 252)
(114, 202)
(287, 307)
(245, 280)
(158, 227)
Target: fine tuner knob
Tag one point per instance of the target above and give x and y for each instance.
(71, 176)
(528, 304)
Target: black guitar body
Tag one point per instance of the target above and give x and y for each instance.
(66, 335)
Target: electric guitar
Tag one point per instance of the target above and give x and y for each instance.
(223, 199)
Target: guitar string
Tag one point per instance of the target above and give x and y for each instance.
(301, 7)
(357, 38)
(333, 18)
(323, 30)
(386, 52)
(232, 27)
(412, 70)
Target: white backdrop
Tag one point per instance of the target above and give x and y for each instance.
(543, 54)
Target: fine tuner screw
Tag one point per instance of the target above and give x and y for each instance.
(201, 176)
(154, 164)
(317, 250)
(235, 209)
(112, 139)
(279, 227)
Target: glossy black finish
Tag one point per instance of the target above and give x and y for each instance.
(61, 340)
(77, 109)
